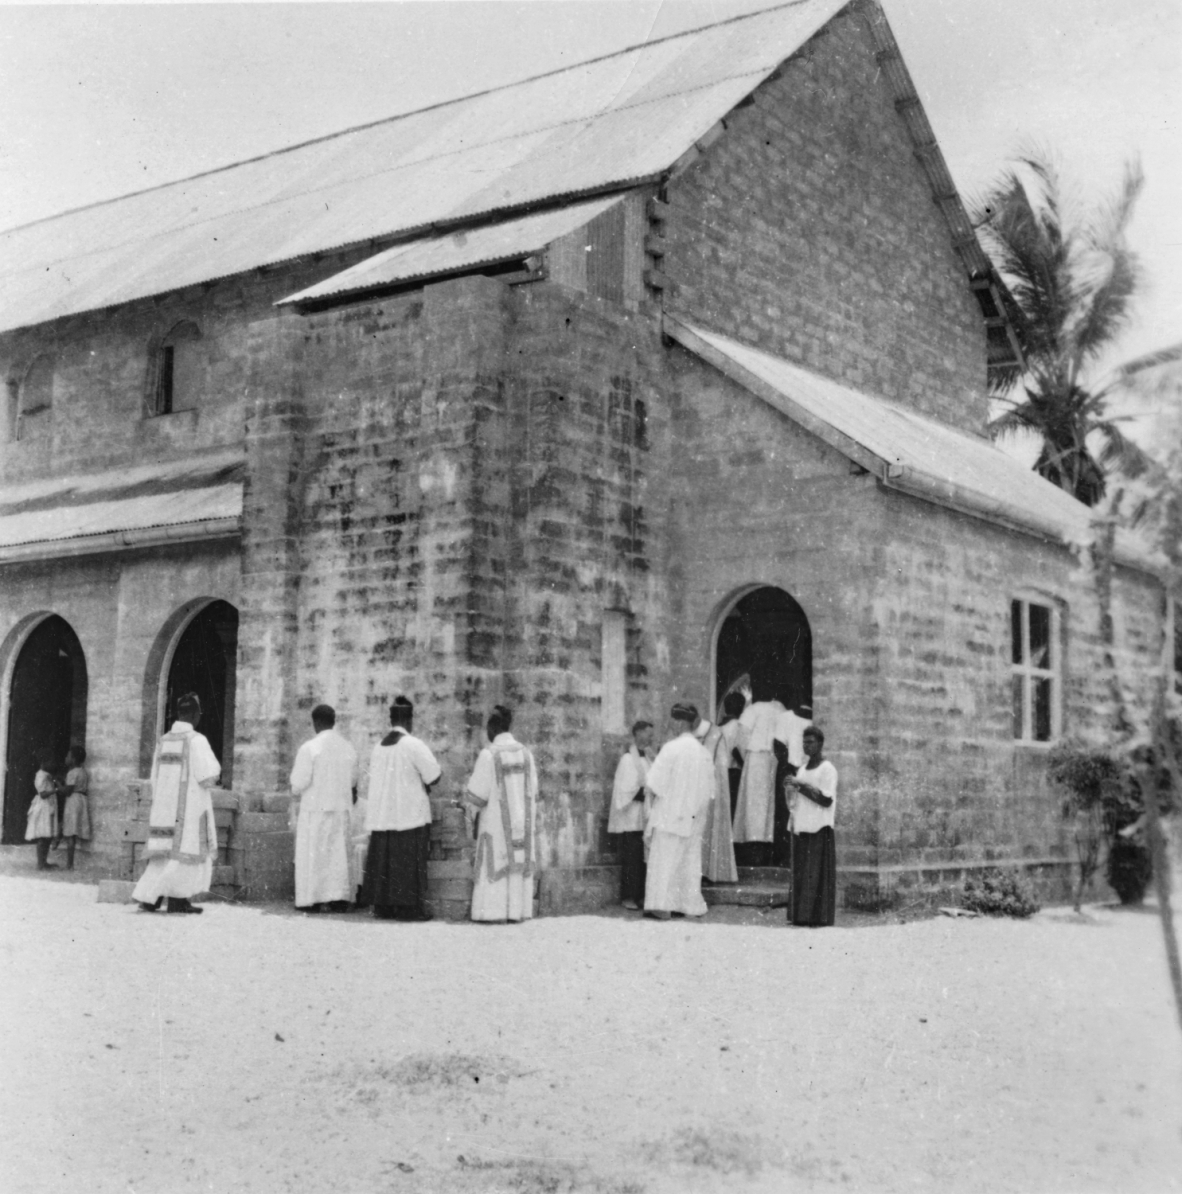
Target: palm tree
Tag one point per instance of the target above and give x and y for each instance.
(1071, 285)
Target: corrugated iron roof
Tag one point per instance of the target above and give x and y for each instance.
(609, 122)
(177, 494)
(908, 451)
(435, 255)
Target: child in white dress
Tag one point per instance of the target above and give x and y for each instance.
(76, 815)
(41, 826)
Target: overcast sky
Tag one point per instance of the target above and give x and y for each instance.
(99, 100)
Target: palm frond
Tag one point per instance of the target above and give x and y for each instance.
(1119, 452)
(1151, 360)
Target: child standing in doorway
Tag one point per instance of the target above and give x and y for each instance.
(42, 823)
(76, 816)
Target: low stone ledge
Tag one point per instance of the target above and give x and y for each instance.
(568, 891)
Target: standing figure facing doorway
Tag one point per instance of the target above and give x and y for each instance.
(718, 847)
(398, 818)
(682, 781)
(182, 837)
(814, 850)
(763, 723)
(503, 791)
(323, 791)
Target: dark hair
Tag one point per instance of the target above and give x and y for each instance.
(684, 712)
(402, 712)
(186, 705)
(499, 720)
(733, 704)
(324, 716)
(815, 732)
(48, 762)
(79, 753)
(637, 726)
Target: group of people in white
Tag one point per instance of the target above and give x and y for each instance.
(341, 860)
(679, 816)
(389, 856)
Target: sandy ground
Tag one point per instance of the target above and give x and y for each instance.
(260, 1050)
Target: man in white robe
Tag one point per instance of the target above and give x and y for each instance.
(398, 815)
(718, 848)
(755, 813)
(182, 836)
(323, 789)
(682, 782)
(629, 809)
(503, 795)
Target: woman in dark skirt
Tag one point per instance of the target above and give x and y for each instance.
(814, 855)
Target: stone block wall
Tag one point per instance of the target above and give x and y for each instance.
(119, 607)
(909, 607)
(808, 229)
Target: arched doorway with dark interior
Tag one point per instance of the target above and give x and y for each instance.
(46, 713)
(765, 646)
(204, 661)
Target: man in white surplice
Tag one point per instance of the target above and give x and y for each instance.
(503, 794)
(681, 781)
(323, 788)
(182, 837)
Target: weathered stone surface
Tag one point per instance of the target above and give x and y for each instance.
(445, 490)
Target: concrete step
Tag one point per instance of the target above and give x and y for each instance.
(754, 895)
(777, 876)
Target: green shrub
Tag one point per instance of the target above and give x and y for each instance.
(996, 892)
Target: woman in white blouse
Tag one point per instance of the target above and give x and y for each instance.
(814, 853)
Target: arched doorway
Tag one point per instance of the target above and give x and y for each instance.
(204, 661)
(46, 713)
(766, 637)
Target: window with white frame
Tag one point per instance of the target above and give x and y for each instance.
(1036, 682)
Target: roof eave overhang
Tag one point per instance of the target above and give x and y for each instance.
(915, 483)
(117, 541)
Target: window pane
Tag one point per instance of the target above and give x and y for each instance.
(1040, 636)
(1042, 710)
(1016, 630)
(1017, 684)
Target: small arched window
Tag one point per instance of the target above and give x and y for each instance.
(180, 370)
(35, 394)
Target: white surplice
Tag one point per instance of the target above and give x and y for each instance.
(682, 782)
(763, 723)
(323, 779)
(182, 842)
(399, 775)
(504, 791)
(718, 848)
(627, 814)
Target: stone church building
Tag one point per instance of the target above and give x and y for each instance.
(586, 394)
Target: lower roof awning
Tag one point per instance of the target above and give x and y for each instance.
(909, 452)
(174, 502)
